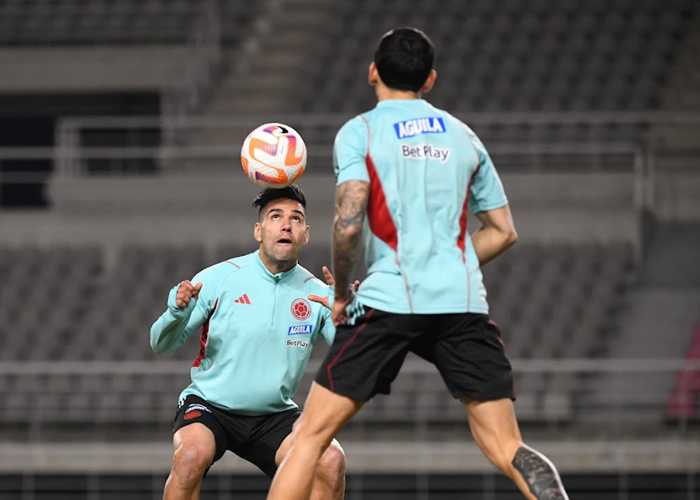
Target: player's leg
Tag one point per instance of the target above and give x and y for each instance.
(470, 355)
(198, 440)
(195, 448)
(329, 482)
(269, 441)
(495, 430)
(363, 361)
(325, 414)
(329, 479)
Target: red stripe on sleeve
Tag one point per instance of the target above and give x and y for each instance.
(378, 214)
(203, 338)
(461, 239)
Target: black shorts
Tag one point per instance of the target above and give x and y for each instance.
(466, 348)
(255, 439)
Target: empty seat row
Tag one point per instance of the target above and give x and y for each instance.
(541, 295)
(551, 301)
(55, 22)
(507, 55)
(50, 286)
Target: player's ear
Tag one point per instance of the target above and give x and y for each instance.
(306, 234)
(257, 232)
(373, 75)
(429, 82)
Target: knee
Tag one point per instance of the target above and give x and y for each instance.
(190, 462)
(306, 435)
(331, 466)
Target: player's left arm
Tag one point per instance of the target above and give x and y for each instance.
(327, 326)
(350, 211)
(327, 300)
(488, 201)
(496, 234)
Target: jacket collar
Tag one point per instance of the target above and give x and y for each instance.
(265, 273)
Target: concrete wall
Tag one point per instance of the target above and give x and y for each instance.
(104, 69)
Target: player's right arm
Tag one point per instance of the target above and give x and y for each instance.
(187, 312)
(350, 152)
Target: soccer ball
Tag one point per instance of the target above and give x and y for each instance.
(273, 155)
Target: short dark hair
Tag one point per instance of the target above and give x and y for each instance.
(267, 195)
(404, 59)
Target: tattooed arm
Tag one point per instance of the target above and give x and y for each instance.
(350, 210)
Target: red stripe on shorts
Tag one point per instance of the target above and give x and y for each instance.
(347, 344)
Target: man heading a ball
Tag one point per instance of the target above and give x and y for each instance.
(259, 316)
(406, 174)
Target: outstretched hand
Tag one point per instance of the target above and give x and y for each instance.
(338, 313)
(185, 292)
(331, 282)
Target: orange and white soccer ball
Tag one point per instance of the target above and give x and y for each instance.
(273, 155)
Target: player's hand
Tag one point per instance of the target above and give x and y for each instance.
(185, 292)
(338, 314)
(331, 282)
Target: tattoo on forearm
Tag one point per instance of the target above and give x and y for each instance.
(539, 475)
(351, 207)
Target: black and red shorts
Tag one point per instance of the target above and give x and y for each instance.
(255, 439)
(466, 348)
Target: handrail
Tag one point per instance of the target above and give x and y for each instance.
(90, 152)
(314, 119)
(68, 159)
(554, 366)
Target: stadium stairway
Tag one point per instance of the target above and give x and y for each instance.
(658, 322)
(263, 76)
(260, 76)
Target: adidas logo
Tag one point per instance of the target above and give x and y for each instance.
(243, 299)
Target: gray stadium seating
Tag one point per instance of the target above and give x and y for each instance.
(133, 294)
(49, 292)
(78, 22)
(551, 301)
(562, 55)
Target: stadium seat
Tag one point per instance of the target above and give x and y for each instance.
(591, 42)
(550, 301)
(56, 22)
